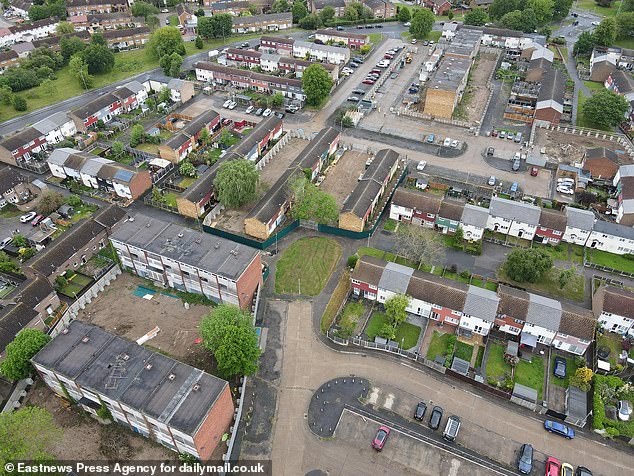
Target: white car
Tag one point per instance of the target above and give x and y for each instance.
(165, 10)
(421, 165)
(414, 41)
(5, 242)
(267, 112)
(567, 191)
(407, 24)
(28, 217)
(625, 410)
(455, 143)
(447, 142)
(226, 103)
(232, 105)
(249, 110)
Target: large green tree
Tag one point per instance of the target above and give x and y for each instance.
(79, 70)
(165, 41)
(310, 22)
(395, 308)
(584, 44)
(605, 109)
(27, 343)
(143, 9)
(311, 203)
(499, 8)
(64, 28)
(422, 23)
(229, 334)
(299, 11)
(27, 434)
(327, 14)
(49, 202)
(419, 245)
(543, 10)
(69, 45)
(404, 15)
(236, 182)
(171, 64)
(100, 59)
(477, 17)
(317, 84)
(137, 135)
(527, 265)
(605, 32)
(627, 6)
(561, 8)
(625, 25)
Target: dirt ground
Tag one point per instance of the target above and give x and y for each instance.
(477, 88)
(342, 177)
(85, 439)
(568, 148)
(120, 311)
(233, 220)
(199, 105)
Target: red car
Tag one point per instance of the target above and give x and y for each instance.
(380, 438)
(553, 466)
(494, 133)
(368, 81)
(376, 71)
(534, 171)
(37, 220)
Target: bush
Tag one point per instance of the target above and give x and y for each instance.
(465, 274)
(453, 269)
(352, 261)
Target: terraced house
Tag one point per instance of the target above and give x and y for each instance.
(29, 31)
(269, 22)
(274, 63)
(22, 147)
(614, 308)
(351, 40)
(84, 7)
(177, 147)
(124, 39)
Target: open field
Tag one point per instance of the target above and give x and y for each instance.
(591, 6)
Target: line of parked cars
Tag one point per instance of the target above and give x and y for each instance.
(510, 135)
(566, 185)
(435, 418)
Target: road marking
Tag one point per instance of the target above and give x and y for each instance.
(389, 401)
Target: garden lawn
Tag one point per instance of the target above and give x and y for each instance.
(594, 87)
(387, 256)
(10, 211)
(496, 365)
(613, 342)
(407, 334)
(187, 181)
(170, 199)
(531, 374)
(549, 285)
(147, 147)
(463, 351)
(351, 314)
(610, 260)
(571, 368)
(438, 345)
(375, 38)
(306, 265)
(478, 362)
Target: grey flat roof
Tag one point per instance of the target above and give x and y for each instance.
(512, 210)
(481, 303)
(396, 277)
(123, 370)
(450, 73)
(52, 122)
(543, 312)
(200, 250)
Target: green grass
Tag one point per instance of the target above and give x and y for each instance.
(463, 351)
(594, 87)
(306, 265)
(390, 225)
(76, 284)
(625, 43)
(170, 199)
(9, 211)
(375, 38)
(581, 119)
(337, 297)
(406, 335)
(187, 181)
(351, 314)
(571, 368)
(496, 365)
(591, 6)
(549, 285)
(387, 256)
(610, 260)
(531, 374)
(147, 147)
(613, 342)
(173, 20)
(478, 362)
(438, 345)
(491, 286)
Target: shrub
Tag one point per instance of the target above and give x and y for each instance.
(453, 269)
(465, 274)
(352, 261)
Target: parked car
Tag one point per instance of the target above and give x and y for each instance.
(28, 217)
(421, 165)
(419, 413)
(502, 135)
(510, 135)
(559, 369)
(375, 71)
(368, 81)
(407, 24)
(165, 10)
(339, 28)
(559, 429)
(267, 112)
(380, 438)
(292, 108)
(435, 418)
(353, 99)
(232, 105)
(490, 151)
(430, 138)
(492, 180)
(249, 109)
(582, 471)
(451, 428)
(447, 142)
(455, 143)
(516, 165)
(353, 65)
(414, 41)
(359, 59)
(525, 459)
(5, 242)
(494, 133)
(553, 466)
(534, 171)
(226, 103)
(567, 469)
(245, 45)
(394, 75)
(625, 410)
(37, 220)
(259, 111)
(281, 115)
(566, 191)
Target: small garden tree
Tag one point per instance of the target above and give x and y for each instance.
(395, 308)
(527, 265)
(187, 169)
(49, 202)
(236, 182)
(26, 344)
(582, 378)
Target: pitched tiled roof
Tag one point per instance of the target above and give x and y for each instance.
(619, 301)
(23, 137)
(451, 209)
(544, 312)
(481, 303)
(436, 290)
(601, 162)
(423, 202)
(513, 302)
(512, 210)
(577, 321)
(553, 220)
(581, 219)
(474, 216)
(369, 270)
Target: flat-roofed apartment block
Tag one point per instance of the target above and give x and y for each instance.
(362, 202)
(177, 147)
(84, 7)
(269, 212)
(188, 260)
(269, 22)
(179, 406)
(124, 39)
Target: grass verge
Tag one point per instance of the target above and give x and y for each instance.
(337, 297)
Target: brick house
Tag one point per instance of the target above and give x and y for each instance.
(351, 40)
(188, 260)
(576, 329)
(21, 147)
(602, 163)
(417, 208)
(177, 147)
(53, 41)
(381, 8)
(513, 309)
(449, 216)
(624, 184)
(181, 407)
(84, 7)
(614, 309)
(127, 38)
(269, 22)
(316, 6)
(439, 7)
(104, 108)
(552, 225)
(232, 8)
(275, 44)
(8, 58)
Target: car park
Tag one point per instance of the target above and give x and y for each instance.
(226, 103)
(435, 418)
(553, 466)
(491, 180)
(502, 135)
(451, 428)
(353, 99)
(421, 165)
(358, 91)
(36, 221)
(455, 144)
(559, 429)
(625, 410)
(567, 470)
(368, 81)
(510, 135)
(419, 413)
(516, 165)
(28, 217)
(525, 459)
(267, 112)
(259, 111)
(582, 471)
(559, 367)
(380, 438)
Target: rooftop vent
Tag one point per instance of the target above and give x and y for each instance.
(148, 367)
(171, 377)
(125, 357)
(196, 387)
(180, 235)
(85, 339)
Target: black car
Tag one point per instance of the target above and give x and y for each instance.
(358, 91)
(280, 115)
(379, 26)
(358, 59)
(353, 64)
(435, 418)
(559, 369)
(419, 413)
(525, 459)
(582, 471)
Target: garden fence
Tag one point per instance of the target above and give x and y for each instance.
(607, 269)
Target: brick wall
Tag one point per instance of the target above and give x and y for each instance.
(217, 422)
(248, 282)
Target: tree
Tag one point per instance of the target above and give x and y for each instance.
(582, 378)
(584, 44)
(223, 25)
(327, 14)
(404, 15)
(351, 13)
(6, 95)
(310, 22)
(137, 135)
(97, 38)
(561, 8)
(543, 10)
(280, 6)
(420, 245)
(422, 23)
(20, 241)
(387, 331)
(171, 64)
(625, 25)
(19, 103)
(26, 344)
(204, 136)
(74, 200)
(564, 277)
(117, 149)
(7, 265)
(527, 265)
(476, 17)
(165, 41)
(317, 84)
(236, 182)
(100, 59)
(64, 28)
(450, 15)
(229, 334)
(395, 308)
(605, 33)
(299, 11)
(199, 43)
(27, 434)
(277, 100)
(512, 20)
(143, 9)
(605, 108)
(199, 13)
(164, 95)
(79, 70)
(49, 87)
(187, 169)
(499, 8)
(69, 45)
(311, 203)
(627, 6)
(49, 202)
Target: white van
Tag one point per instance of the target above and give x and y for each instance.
(452, 428)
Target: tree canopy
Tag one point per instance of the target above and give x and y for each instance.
(476, 17)
(422, 23)
(527, 265)
(404, 15)
(98, 58)
(236, 182)
(605, 33)
(217, 26)
(317, 84)
(229, 334)
(165, 41)
(49, 202)
(26, 344)
(311, 203)
(299, 11)
(419, 245)
(395, 308)
(605, 108)
(143, 9)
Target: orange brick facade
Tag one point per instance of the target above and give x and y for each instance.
(215, 425)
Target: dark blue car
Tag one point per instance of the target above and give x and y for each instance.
(559, 428)
(560, 367)
(525, 459)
